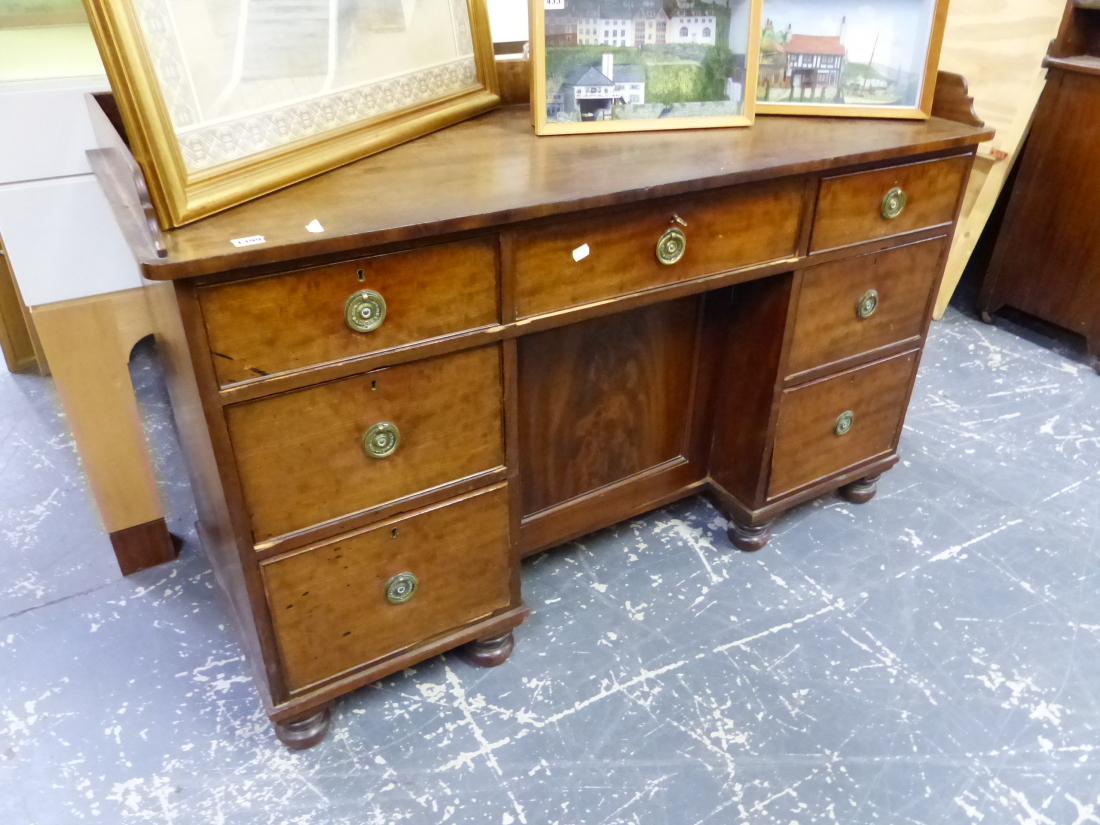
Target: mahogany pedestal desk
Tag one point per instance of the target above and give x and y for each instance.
(501, 342)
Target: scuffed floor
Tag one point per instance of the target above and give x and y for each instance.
(930, 657)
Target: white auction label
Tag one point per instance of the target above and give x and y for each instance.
(581, 252)
(550, 5)
(252, 240)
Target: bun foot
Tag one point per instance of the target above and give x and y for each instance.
(749, 537)
(861, 491)
(986, 317)
(306, 732)
(487, 652)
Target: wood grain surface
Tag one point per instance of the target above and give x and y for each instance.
(264, 326)
(602, 400)
(726, 229)
(493, 170)
(827, 328)
(328, 602)
(807, 449)
(300, 455)
(849, 208)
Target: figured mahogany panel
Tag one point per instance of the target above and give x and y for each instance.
(850, 207)
(725, 229)
(756, 324)
(807, 446)
(828, 326)
(300, 455)
(604, 399)
(329, 604)
(268, 325)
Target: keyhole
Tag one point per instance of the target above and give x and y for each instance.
(362, 277)
(394, 534)
(374, 385)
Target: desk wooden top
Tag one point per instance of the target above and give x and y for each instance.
(493, 170)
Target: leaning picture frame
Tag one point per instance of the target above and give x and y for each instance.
(639, 65)
(227, 100)
(850, 58)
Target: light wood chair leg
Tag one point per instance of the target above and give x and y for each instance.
(88, 343)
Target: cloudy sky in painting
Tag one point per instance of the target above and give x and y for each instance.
(901, 27)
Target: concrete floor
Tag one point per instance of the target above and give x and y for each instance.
(930, 657)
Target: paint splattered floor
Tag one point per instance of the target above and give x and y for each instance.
(930, 657)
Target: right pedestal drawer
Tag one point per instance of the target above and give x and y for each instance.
(827, 426)
(861, 304)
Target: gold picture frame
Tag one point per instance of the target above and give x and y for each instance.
(581, 47)
(919, 79)
(213, 163)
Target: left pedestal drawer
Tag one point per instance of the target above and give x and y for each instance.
(375, 592)
(348, 446)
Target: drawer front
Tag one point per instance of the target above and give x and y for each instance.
(617, 253)
(810, 442)
(860, 304)
(302, 459)
(338, 605)
(287, 322)
(856, 208)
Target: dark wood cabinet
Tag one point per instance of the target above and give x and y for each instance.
(1047, 258)
(575, 330)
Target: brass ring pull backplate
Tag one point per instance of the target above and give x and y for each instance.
(867, 305)
(894, 203)
(365, 311)
(844, 423)
(672, 246)
(401, 588)
(381, 440)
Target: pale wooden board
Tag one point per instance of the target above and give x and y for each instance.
(998, 46)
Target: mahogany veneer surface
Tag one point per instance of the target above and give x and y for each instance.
(329, 603)
(264, 326)
(300, 455)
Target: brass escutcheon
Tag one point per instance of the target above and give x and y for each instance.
(381, 440)
(365, 310)
(894, 203)
(672, 246)
(401, 588)
(867, 305)
(844, 423)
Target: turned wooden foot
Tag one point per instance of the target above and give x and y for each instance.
(986, 317)
(306, 732)
(861, 491)
(749, 537)
(487, 652)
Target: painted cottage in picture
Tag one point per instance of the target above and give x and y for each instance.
(593, 90)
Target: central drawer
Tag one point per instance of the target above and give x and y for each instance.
(584, 260)
(376, 592)
(333, 450)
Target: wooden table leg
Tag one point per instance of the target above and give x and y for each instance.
(88, 343)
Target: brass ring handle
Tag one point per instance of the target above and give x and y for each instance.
(894, 203)
(672, 246)
(365, 311)
(867, 305)
(401, 588)
(381, 440)
(844, 423)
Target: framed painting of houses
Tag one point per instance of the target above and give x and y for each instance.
(635, 65)
(850, 58)
(227, 100)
